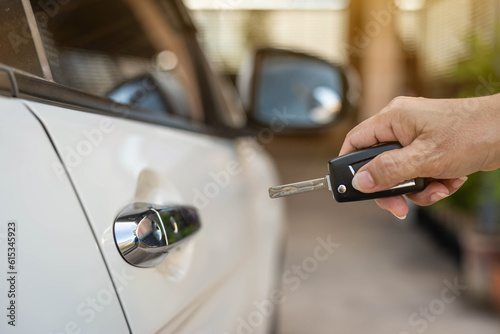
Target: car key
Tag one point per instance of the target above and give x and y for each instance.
(341, 171)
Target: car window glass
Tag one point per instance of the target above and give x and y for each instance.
(16, 43)
(120, 49)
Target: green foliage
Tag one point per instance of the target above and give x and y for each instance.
(476, 70)
(478, 75)
(468, 197)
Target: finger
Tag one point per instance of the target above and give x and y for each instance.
(454, 184)
(377, 129)
(436, 191)
(399, 208)
(396, 205)
(432, 193)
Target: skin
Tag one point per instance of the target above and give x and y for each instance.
(443, 140)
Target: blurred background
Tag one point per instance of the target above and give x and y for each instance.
(387, 276)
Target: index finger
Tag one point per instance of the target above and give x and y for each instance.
(376, 129)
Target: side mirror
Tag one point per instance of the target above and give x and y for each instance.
(297, 90)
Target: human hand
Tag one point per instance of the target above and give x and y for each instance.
(443, 140)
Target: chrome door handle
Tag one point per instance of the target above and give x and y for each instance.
(146, 233)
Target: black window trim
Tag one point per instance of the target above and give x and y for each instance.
(36, 89)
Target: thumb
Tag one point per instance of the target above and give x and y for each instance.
(387, 170)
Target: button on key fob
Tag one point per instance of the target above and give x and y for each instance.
(341, 171)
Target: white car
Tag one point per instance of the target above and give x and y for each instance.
(133, 186)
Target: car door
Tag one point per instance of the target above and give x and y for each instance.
(135, 117)
(54, 274)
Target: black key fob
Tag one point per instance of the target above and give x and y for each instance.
(343, 168)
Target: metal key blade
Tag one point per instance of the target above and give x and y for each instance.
(299, 187)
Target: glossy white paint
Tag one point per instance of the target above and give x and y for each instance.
(62, 284)
(228, 265)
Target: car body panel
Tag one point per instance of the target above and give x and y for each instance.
(114, 162)
(61, 283)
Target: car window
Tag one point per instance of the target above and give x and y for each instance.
(124, 50)
(17, 48)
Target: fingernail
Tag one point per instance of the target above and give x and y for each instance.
(459, 182)
(363, 181)
(438, 196)
(399, 217)
(395, 215)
